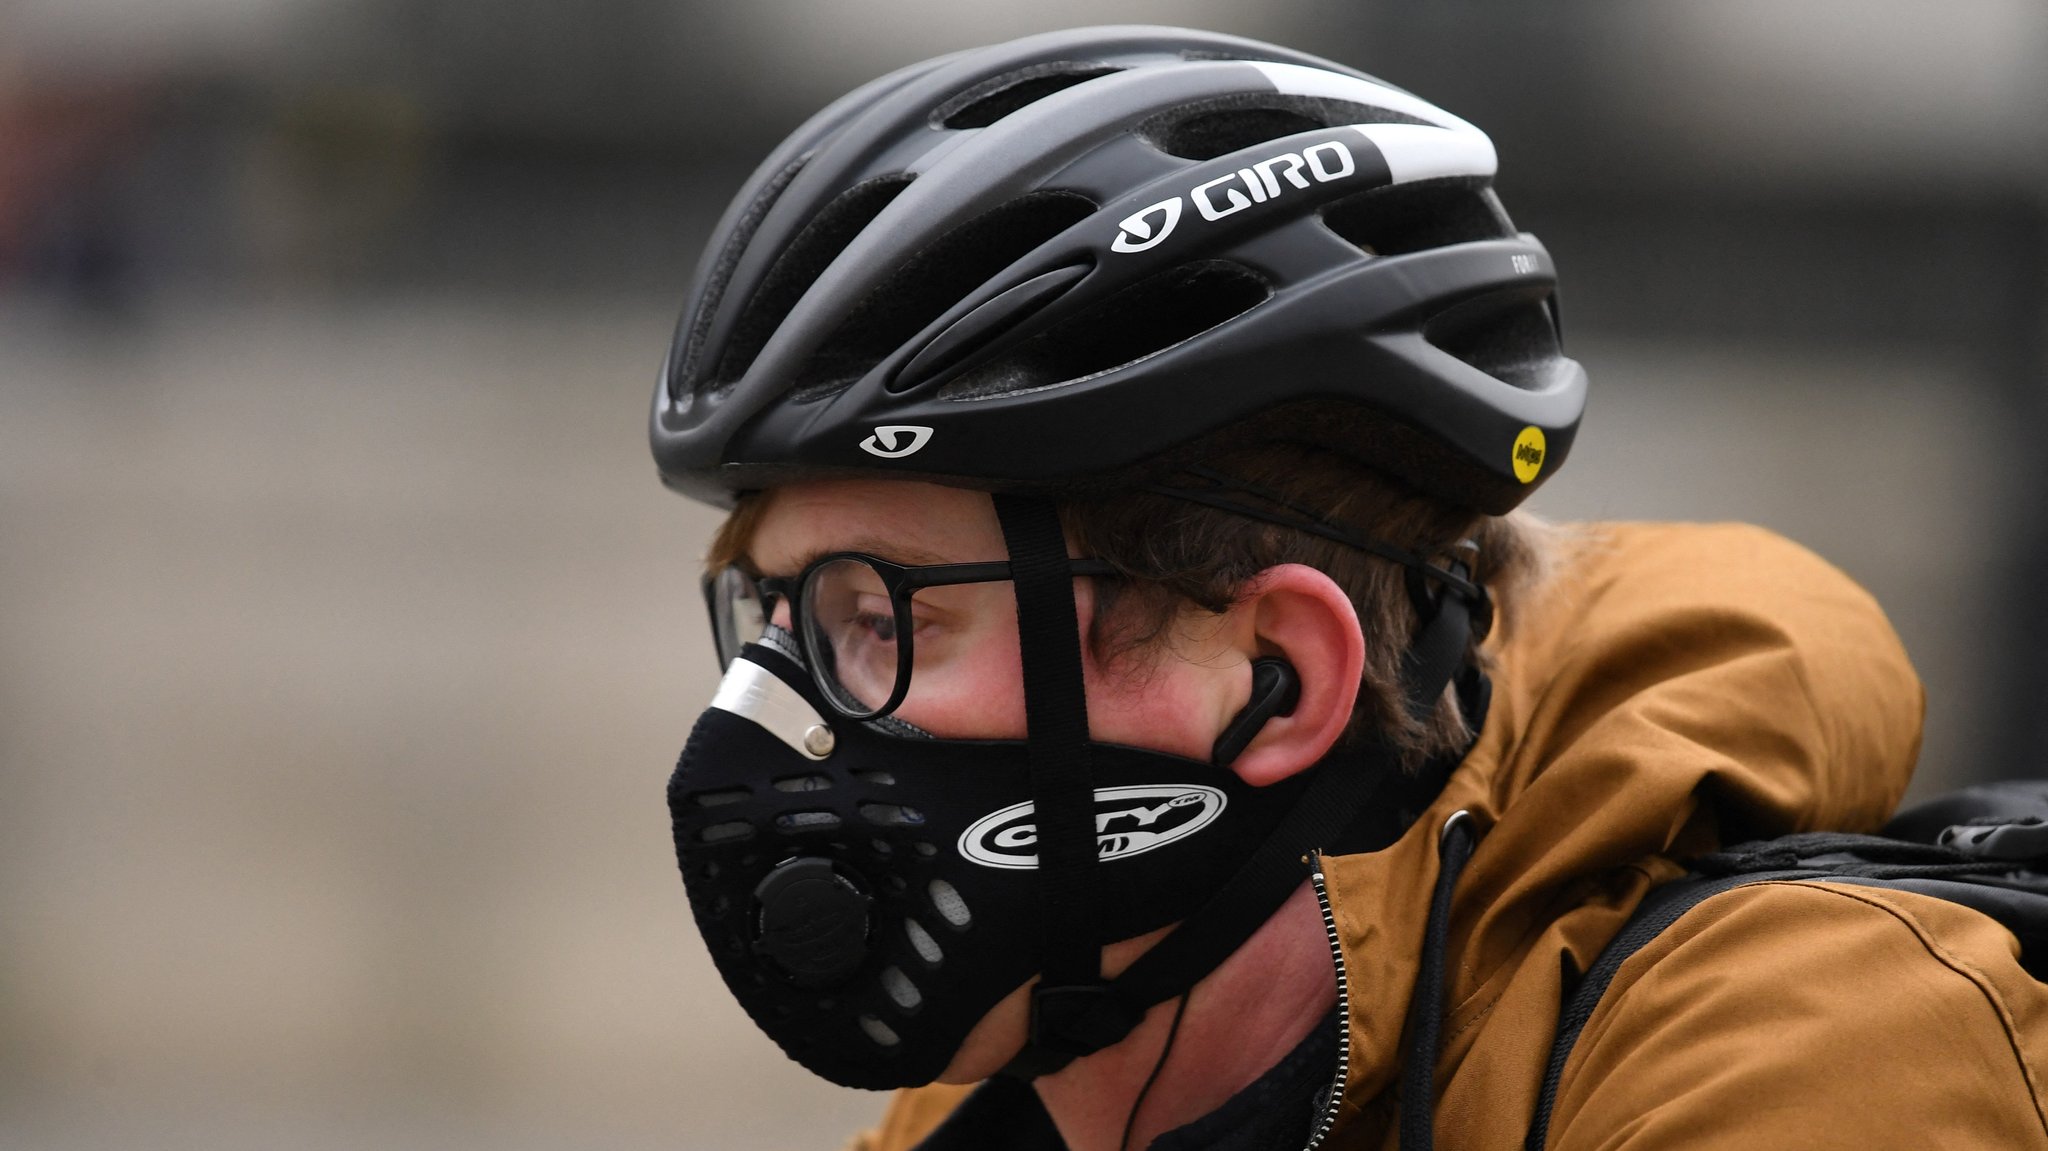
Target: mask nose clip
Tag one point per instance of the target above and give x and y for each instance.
(751, 691)
(811, 921)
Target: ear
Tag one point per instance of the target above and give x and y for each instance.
(1299, 614)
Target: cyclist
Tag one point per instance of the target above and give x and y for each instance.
(1148, 720)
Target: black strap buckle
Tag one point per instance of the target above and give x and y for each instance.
(1069, 1021)
(1079, 1018)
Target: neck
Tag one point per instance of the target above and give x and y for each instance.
(1241, 1020)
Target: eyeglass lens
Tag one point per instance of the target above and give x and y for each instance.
(864, 646)
(851, 631)
(738, 617)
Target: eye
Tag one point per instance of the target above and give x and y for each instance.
(871, 617)
(880, 626)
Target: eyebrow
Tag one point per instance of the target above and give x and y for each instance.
(875, 546)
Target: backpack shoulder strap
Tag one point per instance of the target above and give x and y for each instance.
(1659, 910)
(1985, 847)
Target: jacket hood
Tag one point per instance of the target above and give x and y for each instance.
(1671, 688)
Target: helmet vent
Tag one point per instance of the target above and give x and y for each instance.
(1398, 218)
(939, 276)
(1218, 127)
(1140, 320)
(998, 96)
(743, 229)
(799, 266)
(1508, 335)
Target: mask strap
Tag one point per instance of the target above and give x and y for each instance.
(1438, 649)
(1063, 1004)
(1336, 799)
(1341, 794)
(1456, 579)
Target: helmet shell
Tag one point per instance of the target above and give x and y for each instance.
(1069, 259)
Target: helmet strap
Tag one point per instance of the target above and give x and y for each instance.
(1066, 1003)
(1074, 1011)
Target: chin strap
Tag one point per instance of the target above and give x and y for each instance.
(1074, 1011)
(1065, 1005)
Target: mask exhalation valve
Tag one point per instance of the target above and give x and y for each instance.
(812, 920)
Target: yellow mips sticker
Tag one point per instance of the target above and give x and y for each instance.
(1529, 454)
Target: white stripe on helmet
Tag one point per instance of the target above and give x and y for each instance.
(1300, 80)
(1414, 152)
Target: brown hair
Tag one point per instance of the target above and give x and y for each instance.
(1179, 558)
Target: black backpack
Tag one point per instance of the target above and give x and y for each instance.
(1985, 847)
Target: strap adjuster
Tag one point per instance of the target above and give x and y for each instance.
(1079, 1018)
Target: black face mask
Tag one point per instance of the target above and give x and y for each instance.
(869, 893)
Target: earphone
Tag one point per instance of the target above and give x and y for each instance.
(1275, 690)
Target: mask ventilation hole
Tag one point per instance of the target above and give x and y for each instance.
(946, 900)
(878, 1031)
(726, 832)
(807, 821)
(901, 990)
(721, 798)
(799, 265)
(1399, 218)
(1212, 128)
(998, 96)
(924, 850)
(881, 847)
(891, 815)
(878, 778)
(1140, 320)
(804, 783)
(927, 947)
(920, 289)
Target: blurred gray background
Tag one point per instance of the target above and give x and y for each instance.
(346, 638)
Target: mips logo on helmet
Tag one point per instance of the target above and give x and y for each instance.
(887, 436)
(1329, 160)
(1128, 821)
(1529, 451)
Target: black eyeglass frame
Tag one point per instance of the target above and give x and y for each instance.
(900, 581)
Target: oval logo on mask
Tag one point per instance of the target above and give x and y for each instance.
(1128, 821)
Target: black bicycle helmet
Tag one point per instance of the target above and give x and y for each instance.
(1072, 256)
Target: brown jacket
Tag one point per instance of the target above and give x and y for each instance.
(1677, 687)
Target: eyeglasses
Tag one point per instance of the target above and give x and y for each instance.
(859, 620)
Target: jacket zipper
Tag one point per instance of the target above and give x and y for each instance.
(1321, 1130)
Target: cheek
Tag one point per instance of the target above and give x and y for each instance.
(1160, 708)
(977, 694)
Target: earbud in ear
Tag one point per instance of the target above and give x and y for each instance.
(1275, 691)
